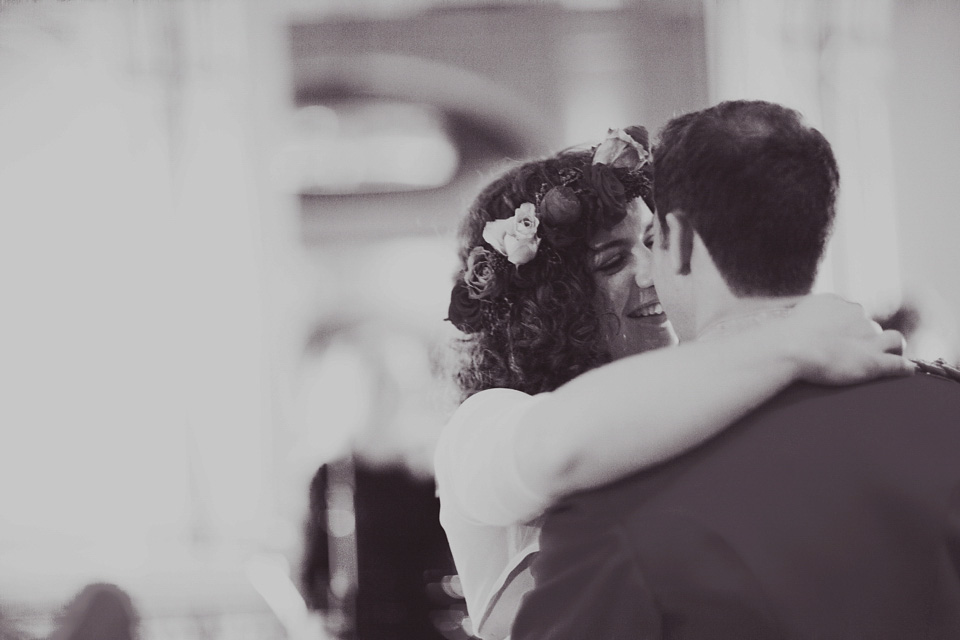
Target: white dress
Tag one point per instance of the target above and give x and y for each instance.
(491, 518)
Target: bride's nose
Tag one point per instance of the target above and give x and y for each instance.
(644, 274)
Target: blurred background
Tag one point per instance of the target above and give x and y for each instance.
(227, 244)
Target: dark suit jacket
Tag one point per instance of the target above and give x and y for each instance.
(827, 513)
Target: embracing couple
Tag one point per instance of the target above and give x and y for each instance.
(782, 473)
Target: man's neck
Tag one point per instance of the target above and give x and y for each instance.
(741, 314)
(710, 307)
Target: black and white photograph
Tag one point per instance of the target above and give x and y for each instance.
(479, 320)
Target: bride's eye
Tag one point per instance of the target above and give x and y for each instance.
(613, 263)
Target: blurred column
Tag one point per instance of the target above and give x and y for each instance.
(202, 58)
(137, 346)
(92, 450)
(830, 61)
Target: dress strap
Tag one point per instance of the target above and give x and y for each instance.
(498, 618)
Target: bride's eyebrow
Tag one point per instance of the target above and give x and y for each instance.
(611, 244)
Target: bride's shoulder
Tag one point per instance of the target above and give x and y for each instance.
(494, 396)
(489, 406)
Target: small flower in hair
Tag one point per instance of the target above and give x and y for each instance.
(465, 312)
(481, 274)
(516, 237)
(560, 206)
(624, 149)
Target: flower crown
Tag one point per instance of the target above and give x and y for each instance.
(618, 173)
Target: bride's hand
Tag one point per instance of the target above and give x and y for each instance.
(837, 343)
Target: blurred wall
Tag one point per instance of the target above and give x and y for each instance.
(531, 78)
(925, 118)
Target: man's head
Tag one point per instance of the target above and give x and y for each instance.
(754, 187)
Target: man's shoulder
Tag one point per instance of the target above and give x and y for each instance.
(900, 408)
(918, 408)
(931, 383)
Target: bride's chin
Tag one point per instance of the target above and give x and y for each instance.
(660, 335)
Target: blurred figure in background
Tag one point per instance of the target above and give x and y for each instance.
(400, 588)
(376, 561)
(99, 612)
(9, 629)
(555, 281)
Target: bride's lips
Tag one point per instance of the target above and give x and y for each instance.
(652, 310)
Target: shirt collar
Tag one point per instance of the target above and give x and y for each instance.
(735, 324)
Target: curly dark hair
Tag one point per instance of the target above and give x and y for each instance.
(541, 327)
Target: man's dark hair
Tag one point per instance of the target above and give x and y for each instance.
(758, 185)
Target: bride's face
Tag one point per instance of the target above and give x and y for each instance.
(632, 318)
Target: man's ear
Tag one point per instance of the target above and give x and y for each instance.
(679, 238)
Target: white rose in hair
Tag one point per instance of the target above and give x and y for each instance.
(526, 221)
(516, 237)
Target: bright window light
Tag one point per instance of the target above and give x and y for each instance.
(369, 146)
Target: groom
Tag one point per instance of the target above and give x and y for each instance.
(828, 512)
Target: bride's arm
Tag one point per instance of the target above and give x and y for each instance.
(643, 409)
